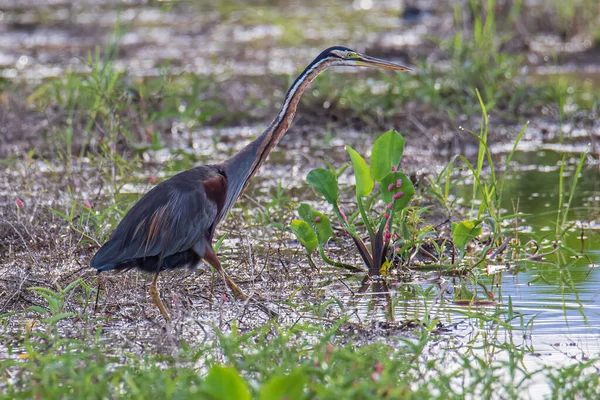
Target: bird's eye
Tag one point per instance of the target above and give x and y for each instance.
(351, 55)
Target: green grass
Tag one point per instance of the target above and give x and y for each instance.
(473, 59)
(573, 17)
(293, 21)
(107, 108)
(315, 358)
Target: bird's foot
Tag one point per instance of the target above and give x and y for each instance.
(237, 291)
(158, 302)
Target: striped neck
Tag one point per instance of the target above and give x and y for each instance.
(243, 165)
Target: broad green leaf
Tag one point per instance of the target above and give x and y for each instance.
(362, 173)
(319, 222)
(406, 187)
(463, 232)
(305, 235)
(290, 387)
(325, 183)
(224, 383)
(306, 212)
(323, 229)
(387, 152)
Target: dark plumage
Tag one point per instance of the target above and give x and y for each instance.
(172, 226)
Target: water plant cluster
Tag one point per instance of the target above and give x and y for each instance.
(394, 190)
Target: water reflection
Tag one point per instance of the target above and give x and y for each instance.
(552, 305)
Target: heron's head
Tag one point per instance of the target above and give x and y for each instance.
(344, 56)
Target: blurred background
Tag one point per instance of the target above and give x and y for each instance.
(138, 74)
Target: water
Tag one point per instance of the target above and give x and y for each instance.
(555, 304)
(55, 37)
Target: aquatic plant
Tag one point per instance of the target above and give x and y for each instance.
(377, 184)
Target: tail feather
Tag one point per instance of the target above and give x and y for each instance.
(110, 257)
(104, 259)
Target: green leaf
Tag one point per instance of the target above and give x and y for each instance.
(54, 305)
(8, 314)
(387, 152)
(465, 231)
(70, 286)
(219, 243)
(58, 317)
(406, 187)
(41, 290)
(224, 383)
(325, 183)
(290, 387)
(322, 227)
(37, 309)
(306, 212)
(305, 235)
(62, 215)
(362, 173)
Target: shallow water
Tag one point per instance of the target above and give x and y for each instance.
(555, 303)
(55, 37)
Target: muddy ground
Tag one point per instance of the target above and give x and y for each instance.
(247, 57)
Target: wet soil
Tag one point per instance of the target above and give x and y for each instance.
(253, 61)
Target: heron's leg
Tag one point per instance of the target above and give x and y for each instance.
(156, 298)
(211, 258)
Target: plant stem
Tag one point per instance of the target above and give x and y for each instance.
(573, 187)
(337, 264)
(365, 219)
(560, 196)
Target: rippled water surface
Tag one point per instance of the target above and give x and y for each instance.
(555, 304)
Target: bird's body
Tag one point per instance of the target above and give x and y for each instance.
(172, 226)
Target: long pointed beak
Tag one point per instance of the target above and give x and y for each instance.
(376, 62)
